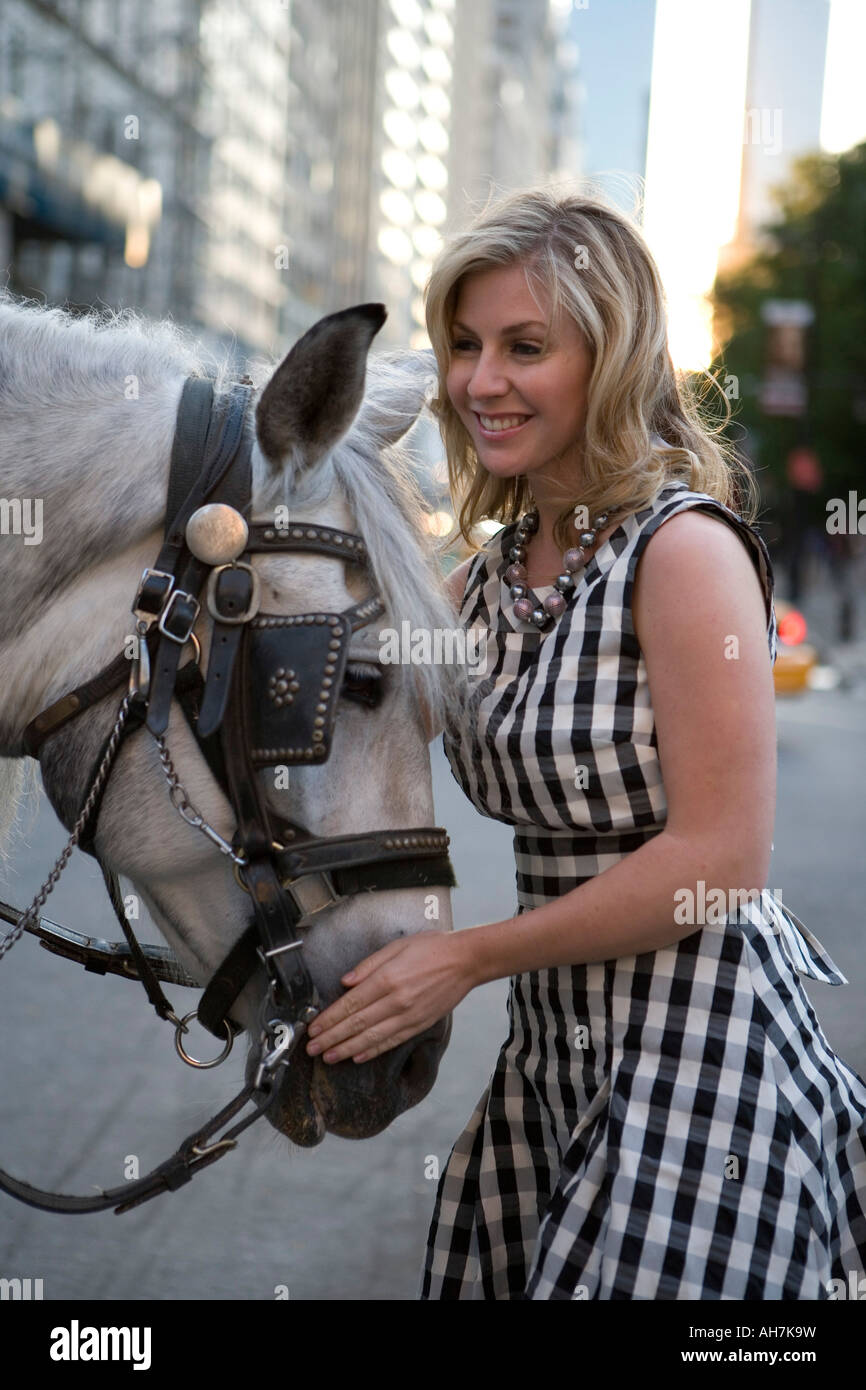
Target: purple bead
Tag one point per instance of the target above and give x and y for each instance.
(515, 574)
(574, 558)
(523, 609)
(555, 605)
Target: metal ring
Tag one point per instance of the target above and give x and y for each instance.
(238, 880)
(193, 1061)
(196, 646)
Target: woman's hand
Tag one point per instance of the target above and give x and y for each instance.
(394, 994)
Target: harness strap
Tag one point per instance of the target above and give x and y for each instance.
(100, 957)
(227, 460)
(142, 965)
(187, 450)
(195, 1152)
(243, 958)
(275, 914)
(52, 719)
(232, 593)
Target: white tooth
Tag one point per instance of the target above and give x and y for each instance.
(509, 423)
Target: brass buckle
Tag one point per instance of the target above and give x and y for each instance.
(308, 905)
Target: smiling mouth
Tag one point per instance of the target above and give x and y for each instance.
(492, 426)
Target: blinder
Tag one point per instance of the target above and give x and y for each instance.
(294, 670)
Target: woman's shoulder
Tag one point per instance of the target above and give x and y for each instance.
(690, 531)
(697, 514)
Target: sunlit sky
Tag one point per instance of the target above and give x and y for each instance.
(843, 116)
(694, 157)
(695, 145)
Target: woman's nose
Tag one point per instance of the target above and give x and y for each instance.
(488, 379)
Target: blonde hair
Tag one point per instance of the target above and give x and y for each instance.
(644, 425)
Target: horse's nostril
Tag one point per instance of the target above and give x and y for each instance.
(415, 1070)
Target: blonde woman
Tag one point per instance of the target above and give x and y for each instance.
(665, 1119)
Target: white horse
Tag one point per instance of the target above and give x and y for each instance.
(88, 408)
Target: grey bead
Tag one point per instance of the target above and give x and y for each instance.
(564, 583)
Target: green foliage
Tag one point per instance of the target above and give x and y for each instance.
(815, 252)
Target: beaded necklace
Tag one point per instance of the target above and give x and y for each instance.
(553, 606)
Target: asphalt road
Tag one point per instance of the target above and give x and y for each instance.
(89, 1077)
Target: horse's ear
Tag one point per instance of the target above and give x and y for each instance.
(401, 383)
(313, 396)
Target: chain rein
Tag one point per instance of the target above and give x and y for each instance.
(30, 915)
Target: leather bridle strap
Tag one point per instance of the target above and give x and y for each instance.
(235, 970)
(52, 719)
(227, 466)
(197, 1151)
(291, 984)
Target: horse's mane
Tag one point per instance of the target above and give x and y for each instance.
(54, 359)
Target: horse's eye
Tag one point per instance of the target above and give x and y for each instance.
(362, 683)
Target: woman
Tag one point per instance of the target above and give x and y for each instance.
(666, 1119)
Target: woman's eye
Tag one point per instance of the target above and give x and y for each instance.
(362, 683)
(466, 345)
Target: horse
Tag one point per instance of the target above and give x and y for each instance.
(89, 406)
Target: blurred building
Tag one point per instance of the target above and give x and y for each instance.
(783, 104)
(243, 57)
(101, 156)
(246, 166)
(331, 123)
(515, 99)
(413, 133)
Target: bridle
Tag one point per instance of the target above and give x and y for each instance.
(269, 699)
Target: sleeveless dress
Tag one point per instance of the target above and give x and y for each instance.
(671, 1125)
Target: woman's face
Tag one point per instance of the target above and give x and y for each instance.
(500, 376)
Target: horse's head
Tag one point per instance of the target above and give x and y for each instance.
(327, 427)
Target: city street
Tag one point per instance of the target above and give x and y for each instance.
(90, 1077)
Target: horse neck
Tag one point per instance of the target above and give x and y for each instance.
(99, 468)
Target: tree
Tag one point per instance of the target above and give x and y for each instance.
(815, 252)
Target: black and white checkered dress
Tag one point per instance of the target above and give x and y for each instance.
(672, 1125)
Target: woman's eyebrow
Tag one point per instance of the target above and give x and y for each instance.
(512, 328)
